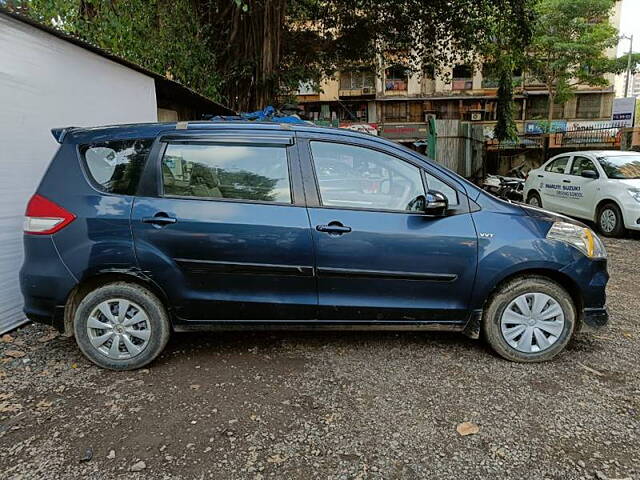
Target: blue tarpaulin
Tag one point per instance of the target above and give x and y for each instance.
(269, 114)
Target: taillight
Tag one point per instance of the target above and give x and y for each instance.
(44, 217)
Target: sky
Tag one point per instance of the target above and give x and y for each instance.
(630, 25)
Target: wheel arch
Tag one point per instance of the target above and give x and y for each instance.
(564, 280)
(603, 202)
(88, 284)
(531, 192)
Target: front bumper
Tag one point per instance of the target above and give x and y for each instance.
(631, 215)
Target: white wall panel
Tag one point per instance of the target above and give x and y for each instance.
(47, 82)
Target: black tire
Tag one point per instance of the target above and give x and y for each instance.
(506, 294)
(155, 313)
(534, 195)
(612, 211)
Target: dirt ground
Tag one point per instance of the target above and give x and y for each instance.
(331, 405)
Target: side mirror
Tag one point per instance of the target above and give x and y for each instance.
(589, 174)
(436, 203)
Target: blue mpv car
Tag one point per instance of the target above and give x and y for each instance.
(140, 230)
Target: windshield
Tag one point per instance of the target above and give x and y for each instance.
(621, 166)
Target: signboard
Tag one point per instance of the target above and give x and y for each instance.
(400, 131)
(540, 126)
(623, 111)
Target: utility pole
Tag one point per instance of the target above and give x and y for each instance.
(628, 80)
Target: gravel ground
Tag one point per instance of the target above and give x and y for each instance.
(330, 405)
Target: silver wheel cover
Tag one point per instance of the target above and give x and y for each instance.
(533, 200)
(119, 329)
(532, 322)
(608, 220)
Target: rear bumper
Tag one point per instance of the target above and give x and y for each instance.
(44, 280)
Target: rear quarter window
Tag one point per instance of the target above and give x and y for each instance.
(115, 166)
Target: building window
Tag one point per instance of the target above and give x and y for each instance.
(357, 80)
(537, 108)
(447, 109)
(395, 111)
(396, 78)
(490, 78)
(462, 77)
(589, 105)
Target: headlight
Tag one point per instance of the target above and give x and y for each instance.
(635, 193)
(580, 237)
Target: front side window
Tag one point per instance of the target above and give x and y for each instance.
(358, 177)
(558, 165)
(581, 164)
(115, 166)
(235, 172)
(434, 183)
(621, 166)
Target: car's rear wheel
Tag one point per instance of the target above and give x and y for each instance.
(529, 319)
(121, 326)
(534, 200)
(610, 221)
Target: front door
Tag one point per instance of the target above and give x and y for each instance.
(551, 184)
(377, 258)
(227, 236)
(581, 192)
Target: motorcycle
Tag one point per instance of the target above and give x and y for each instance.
(508, 187)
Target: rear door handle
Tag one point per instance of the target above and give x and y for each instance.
(160, 219)
(566, 181)
(334, 228)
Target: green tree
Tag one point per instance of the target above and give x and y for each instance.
(163, 36)
(246, 53)
(569, 44)
(505, 53)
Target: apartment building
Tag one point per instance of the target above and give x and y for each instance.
(397, 102)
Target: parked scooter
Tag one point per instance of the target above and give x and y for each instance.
(509, 187)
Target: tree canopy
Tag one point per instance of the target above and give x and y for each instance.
(569, 46)
(247, 53)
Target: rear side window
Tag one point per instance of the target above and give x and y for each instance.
(558, 165)
(237, 172)
(115, 167)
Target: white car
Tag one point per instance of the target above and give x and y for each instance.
(601, 186)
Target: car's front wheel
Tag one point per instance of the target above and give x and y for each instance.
(529, 319)
(121, 326)
(610, 220)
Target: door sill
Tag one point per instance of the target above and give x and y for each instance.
(335, 325)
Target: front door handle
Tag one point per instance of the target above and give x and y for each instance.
(160, 219)
(334, 228)
(540, 176)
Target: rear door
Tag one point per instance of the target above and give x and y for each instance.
(550, 183)
(377, 257)
(222, 227)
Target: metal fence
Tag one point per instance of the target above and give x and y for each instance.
(603, 135)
